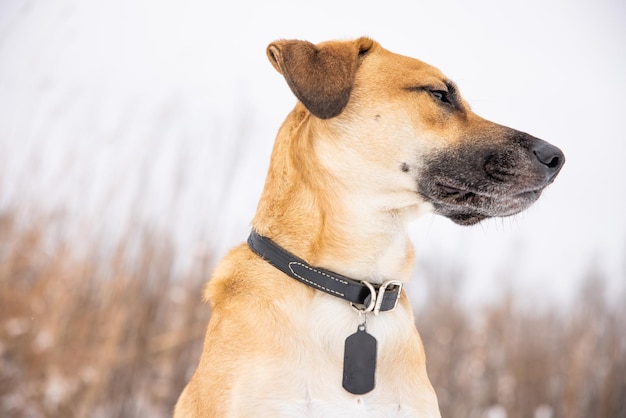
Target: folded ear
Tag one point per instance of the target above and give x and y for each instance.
(321, 76)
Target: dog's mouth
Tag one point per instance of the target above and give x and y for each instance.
(470, 183)
(465, 205)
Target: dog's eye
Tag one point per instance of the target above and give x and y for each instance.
(440, 95)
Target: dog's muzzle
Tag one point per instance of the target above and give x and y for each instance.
(475, 181)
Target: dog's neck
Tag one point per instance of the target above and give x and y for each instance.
(309, 212)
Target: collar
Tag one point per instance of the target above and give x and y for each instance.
(362, 295)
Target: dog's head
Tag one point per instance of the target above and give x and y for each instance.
(400, 130)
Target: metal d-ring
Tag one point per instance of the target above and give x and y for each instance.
(372, 303)
(381, 295)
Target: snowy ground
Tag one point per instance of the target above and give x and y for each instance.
(164, 113)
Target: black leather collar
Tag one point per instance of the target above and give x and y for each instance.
(364, 296)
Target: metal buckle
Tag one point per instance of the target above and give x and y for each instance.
(373, 300)
(381, 295)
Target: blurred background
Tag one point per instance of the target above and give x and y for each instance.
(134, 140)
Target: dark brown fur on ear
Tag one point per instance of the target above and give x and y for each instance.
(321, 76)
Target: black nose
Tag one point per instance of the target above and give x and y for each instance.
(550, 158)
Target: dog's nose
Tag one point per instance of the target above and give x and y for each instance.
(550, 158)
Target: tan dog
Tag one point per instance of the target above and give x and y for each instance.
(375, 139)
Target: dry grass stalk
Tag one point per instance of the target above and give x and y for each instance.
(103, 336)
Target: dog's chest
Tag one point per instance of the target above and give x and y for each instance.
(320, 395)
(362, 407)
(307, 380)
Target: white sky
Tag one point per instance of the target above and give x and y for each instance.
(118, 107)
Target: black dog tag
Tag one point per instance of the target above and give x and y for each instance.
(359, 362)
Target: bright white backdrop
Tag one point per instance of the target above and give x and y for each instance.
(164, 113)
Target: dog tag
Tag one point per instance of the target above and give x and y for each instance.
(359, 362)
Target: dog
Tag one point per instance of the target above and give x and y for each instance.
(309, 318)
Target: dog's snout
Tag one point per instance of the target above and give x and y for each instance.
(549, 157)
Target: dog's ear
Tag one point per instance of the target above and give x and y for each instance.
(321, 76)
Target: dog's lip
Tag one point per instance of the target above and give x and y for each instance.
(467, 206)
(467, 192)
